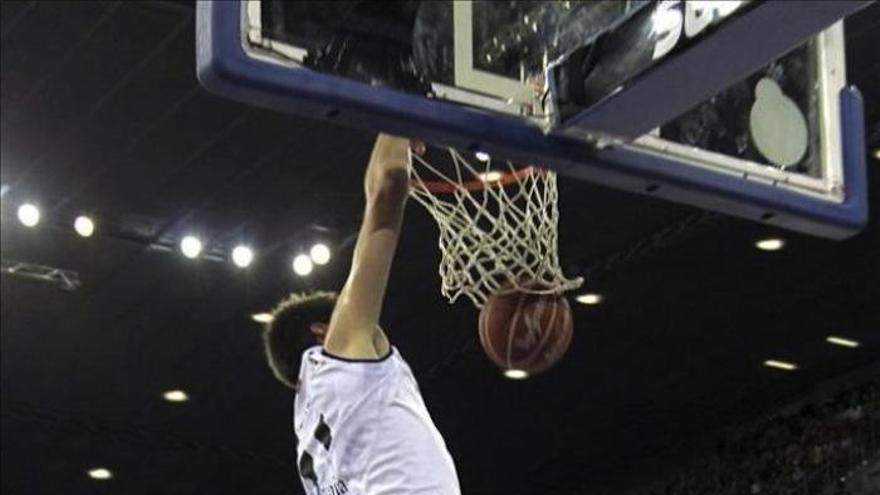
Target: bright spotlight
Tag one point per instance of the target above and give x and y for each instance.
(175, 396)
(191, 246)
(770, 244)
(100, 474)
(589, 299)
(28, 215)
(262, 317)
(302, 265)
(780, 365)
(490, 176)
(84, 226)
(842, 342)
(482, 156)
(514, 374)
(877, 154)
(242, 256)
(320, 254)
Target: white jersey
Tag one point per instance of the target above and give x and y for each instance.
(363, 429)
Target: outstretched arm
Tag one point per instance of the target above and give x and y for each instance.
(354, 329)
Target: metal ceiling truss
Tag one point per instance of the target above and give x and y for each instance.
(65, 279)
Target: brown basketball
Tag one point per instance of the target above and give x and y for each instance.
(525, 332)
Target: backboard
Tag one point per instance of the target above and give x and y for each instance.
(736, 106)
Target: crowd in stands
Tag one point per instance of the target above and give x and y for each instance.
(808, 452)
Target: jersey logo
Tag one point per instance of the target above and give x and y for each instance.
(324, 435)
(307, 469)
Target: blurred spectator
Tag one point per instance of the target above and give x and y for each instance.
(808, 452)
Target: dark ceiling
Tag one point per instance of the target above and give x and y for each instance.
(101, 113)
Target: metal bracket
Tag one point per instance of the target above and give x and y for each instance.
(65, 279)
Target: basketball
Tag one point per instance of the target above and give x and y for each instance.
(524, 333)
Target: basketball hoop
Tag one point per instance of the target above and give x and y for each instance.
(498, 228)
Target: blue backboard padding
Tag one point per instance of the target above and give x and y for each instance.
(225, 69)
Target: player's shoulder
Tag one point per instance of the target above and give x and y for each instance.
(313, 355)
(331, 356)
(330, 362)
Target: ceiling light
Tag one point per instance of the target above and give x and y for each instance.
(877, 154)
(491, 176)
(262, 317)
(842, 342)
(514, 374)
(28, 215)
(175, 396)
(84, 226)
(302, 265)
(191, 246)
(100, 473)
(320, 254)
(770, 244)
(589, 298)
(482, 156)
(242, 256)
(782, 365)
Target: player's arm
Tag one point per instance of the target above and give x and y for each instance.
(354, 328)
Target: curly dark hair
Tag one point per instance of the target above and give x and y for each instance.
(287, 335)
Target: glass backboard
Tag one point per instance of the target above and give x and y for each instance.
(736, 106)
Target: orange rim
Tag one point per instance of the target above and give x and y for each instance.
(506, 179)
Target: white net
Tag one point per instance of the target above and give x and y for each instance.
(498, 228)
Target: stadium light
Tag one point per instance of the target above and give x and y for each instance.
(780, 365)
(100, 473)
(242, 256)
(771, 244)
(175, 396)
(590, 299)
(28, 215)
(302, 265)
(262, 317)
(191, 246)
(84, 226)
(842, 342)
(514, 374)
(320, 254)
(490, 176)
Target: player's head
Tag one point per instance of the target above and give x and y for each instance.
(298, 322)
